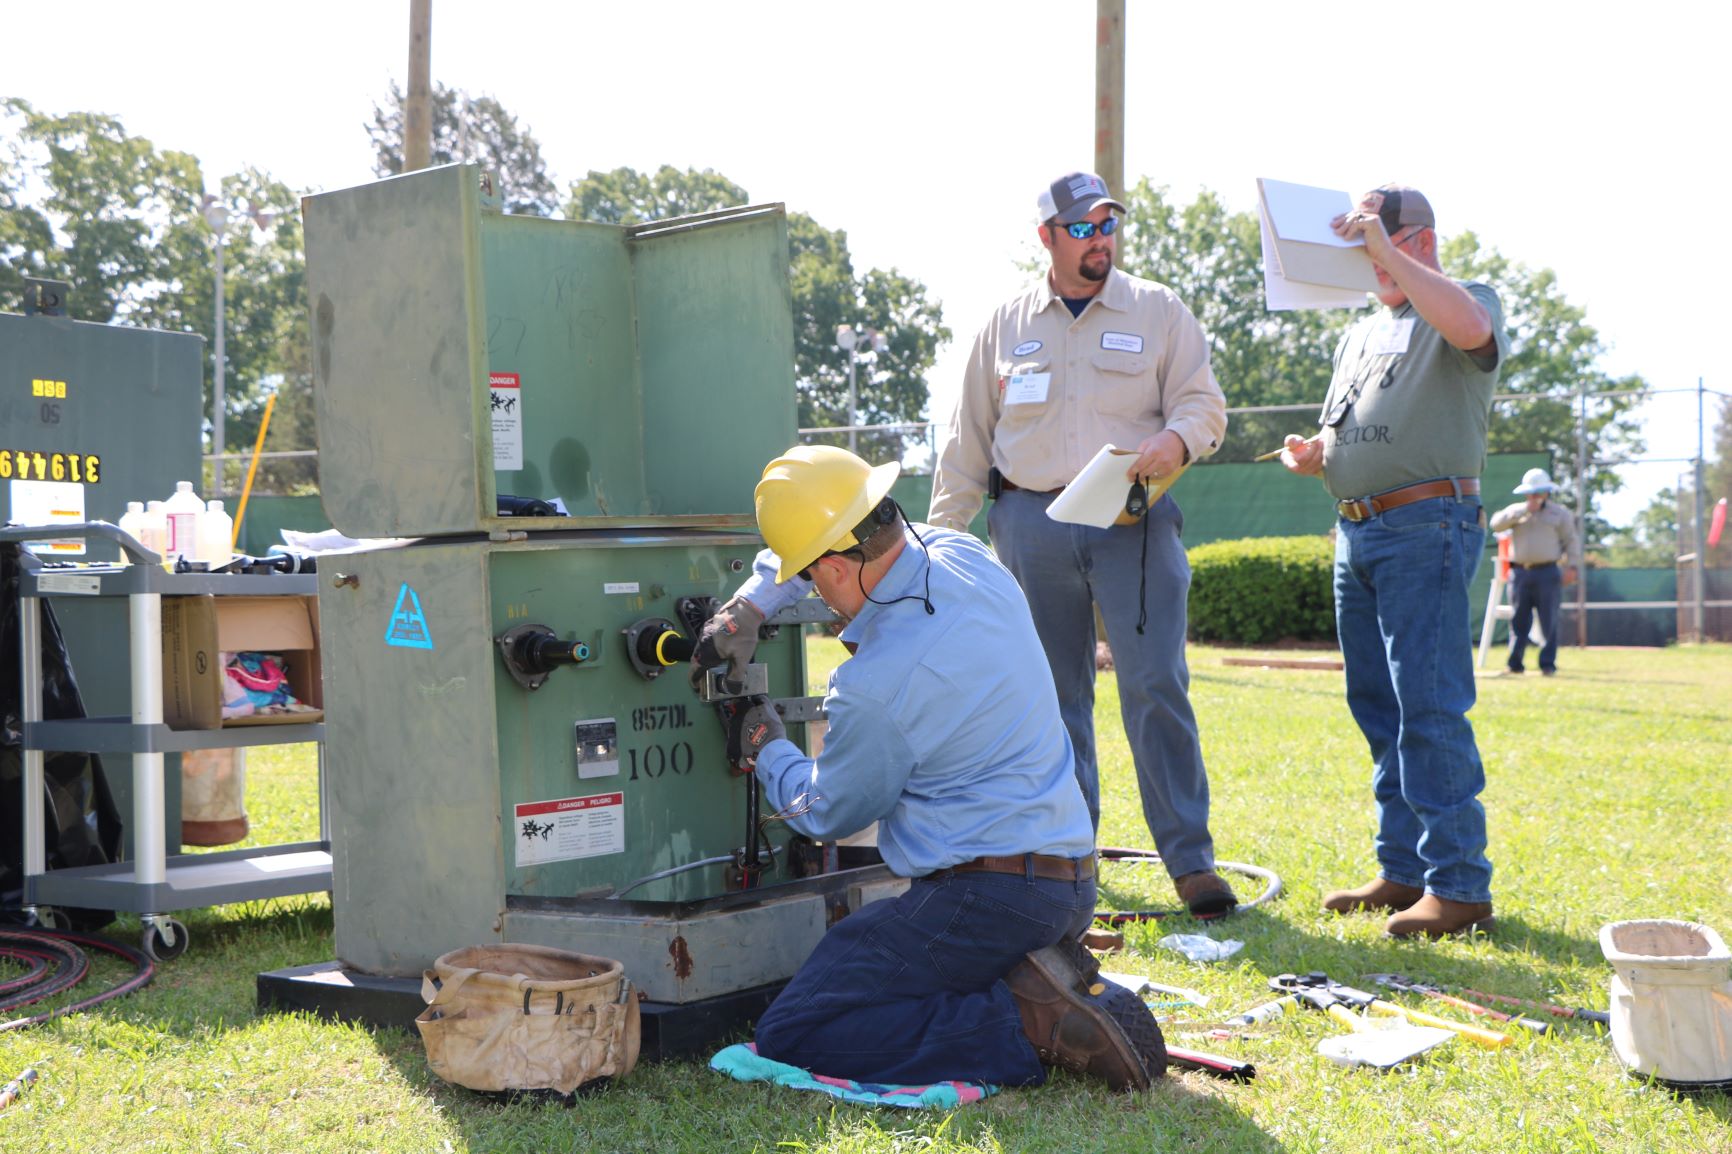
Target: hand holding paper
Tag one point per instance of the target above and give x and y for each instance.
(1097, 496)
(1307, 262)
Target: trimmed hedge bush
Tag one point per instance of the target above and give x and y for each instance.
(1263, 589)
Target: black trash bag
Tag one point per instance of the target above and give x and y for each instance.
(81, 825)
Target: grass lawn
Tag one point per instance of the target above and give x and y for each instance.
(1608, 799)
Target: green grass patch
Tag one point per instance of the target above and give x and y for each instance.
(1607, 799)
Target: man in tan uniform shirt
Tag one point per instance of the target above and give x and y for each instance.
(1543, 551)
(1086, 358)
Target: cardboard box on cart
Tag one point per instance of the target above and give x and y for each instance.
(198, 630)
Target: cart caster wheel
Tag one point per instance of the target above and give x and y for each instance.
(160, 947)
(50, 919)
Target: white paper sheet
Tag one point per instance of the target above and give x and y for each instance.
(1281, 294)
(1301, 212)
(1097, 496)
(1307, 248)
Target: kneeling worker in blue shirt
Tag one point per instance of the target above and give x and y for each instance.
(944, 728)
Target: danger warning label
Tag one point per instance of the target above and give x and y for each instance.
(570, 828)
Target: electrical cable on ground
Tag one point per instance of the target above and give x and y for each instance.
(1271, 889)
(54, 963)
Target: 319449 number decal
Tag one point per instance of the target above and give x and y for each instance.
(30, 465)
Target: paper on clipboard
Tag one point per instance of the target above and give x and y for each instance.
(1307, 248)
(1097, 496)
(1281, 294)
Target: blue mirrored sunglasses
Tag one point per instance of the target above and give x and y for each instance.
(1083, 229)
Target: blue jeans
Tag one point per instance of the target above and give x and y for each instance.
(1065, 571)
(1401, 613)
(1534, 591)
(910, 989)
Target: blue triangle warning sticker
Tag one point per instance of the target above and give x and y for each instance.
(408, 626)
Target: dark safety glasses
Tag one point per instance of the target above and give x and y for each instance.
(1083, 229)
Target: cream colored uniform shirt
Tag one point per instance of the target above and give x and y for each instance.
(1548, 535)
(1135, 362)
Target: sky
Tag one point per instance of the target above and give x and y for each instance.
(1568, 136)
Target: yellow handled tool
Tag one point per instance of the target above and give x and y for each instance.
(1478, 1035)
(1320, 991)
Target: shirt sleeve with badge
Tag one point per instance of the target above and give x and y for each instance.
(1044, 391)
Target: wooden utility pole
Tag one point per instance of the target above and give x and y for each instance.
(1110, 94)
(418, 106)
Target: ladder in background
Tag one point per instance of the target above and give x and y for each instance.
(1497, 609)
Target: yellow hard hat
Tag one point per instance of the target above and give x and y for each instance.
(812, 499)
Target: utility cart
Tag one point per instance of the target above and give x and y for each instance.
(155, 883)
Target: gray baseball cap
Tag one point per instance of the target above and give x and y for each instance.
(1403, 206)
(1073, 196)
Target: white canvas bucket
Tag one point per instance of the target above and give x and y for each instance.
(1671, 1001)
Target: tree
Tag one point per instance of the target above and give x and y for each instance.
(83, 202)
(468, 128)
(1651, 541)
(86, 203)
(1717, 469)
(266, 336)
(826, 293)
(1554, 358)
(625, 196)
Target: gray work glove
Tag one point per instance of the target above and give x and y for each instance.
(730, 636)
(752, 723)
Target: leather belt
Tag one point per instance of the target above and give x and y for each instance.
(1009, 486)
(1058, 869)
(1533, 565)
(1360, 508)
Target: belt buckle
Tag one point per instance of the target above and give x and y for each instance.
(1354, 510)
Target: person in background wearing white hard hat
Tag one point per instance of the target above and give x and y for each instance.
(944, 729)
(1544, 551)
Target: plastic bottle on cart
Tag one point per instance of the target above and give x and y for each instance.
(155, 535)
(184, 510)
(216, 532)
(132, 523)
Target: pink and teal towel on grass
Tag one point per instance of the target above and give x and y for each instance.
(743, 1064)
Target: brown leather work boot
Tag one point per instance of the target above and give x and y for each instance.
(1205, 893)
(1379, 894)
(1437, 917)
(1100, 1034)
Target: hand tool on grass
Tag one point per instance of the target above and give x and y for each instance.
(1309, 987)
(1367, 1045)
(14, 1089)
(1600, 1016)
(1412, 986)
(1231, 1069)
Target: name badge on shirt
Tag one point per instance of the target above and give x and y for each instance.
(1390, 337)
(1027, 388)
(1122, 342)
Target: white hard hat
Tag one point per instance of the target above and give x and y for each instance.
(1535, 481)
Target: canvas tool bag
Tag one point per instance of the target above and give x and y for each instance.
(1671, 1001)
(519, 1017)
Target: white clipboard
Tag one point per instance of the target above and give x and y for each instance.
(1097, 496)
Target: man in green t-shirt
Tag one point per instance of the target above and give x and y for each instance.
(1401, 449)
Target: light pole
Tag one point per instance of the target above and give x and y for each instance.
(218, 216)
(856, 340)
